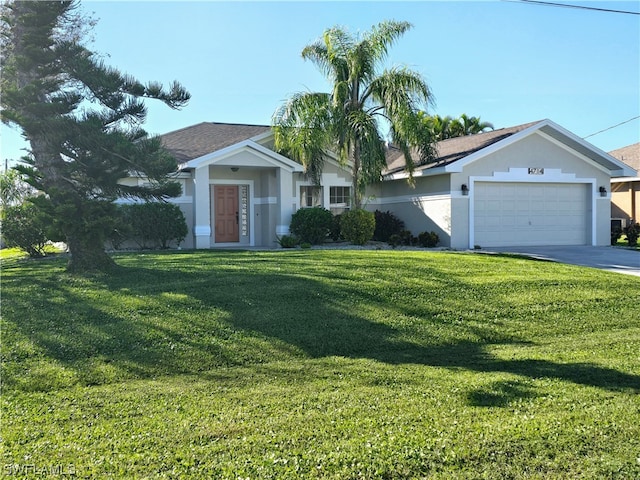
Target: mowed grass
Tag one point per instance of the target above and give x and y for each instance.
(321, 364)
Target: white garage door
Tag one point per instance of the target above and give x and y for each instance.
(511, 214)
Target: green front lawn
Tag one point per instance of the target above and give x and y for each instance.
(321, 364)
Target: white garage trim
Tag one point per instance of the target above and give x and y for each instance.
(523, 175)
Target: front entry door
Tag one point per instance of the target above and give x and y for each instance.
(226, 213)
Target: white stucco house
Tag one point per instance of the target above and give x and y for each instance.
(532, 184)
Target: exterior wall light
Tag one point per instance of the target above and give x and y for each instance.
(234, 169)
(465, 189)
(603, 192)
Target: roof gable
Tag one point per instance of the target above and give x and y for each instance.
(207, 137)
(455, 153)
(262, 156)
(454, 149)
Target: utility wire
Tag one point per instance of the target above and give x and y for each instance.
(614, 126)
(565, 5)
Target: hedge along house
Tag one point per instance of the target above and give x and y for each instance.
(533, 184)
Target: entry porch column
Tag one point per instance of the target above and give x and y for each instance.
(285, 201)
(202, 228)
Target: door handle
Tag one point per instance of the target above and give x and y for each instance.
(236, 217)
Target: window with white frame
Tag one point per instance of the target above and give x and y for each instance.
(310, 196)
(339, 199)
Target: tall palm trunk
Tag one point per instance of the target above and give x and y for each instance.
(355, 173)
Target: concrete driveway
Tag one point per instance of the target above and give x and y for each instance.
(606, 258)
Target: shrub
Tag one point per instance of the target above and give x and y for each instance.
(428, 239)
(357, 226)
(335, 228)
(632, 231)
(287, 241)
(616, 233)
(24, 226)
(387, 224)
(311, 225)
(407, 238)
(123, 230)
(153, 224)
(395, 240)
(171, 225)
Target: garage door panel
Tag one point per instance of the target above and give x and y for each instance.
(510, 214)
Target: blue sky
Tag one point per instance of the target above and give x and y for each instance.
(507, 62)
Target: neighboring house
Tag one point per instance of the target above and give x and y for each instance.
(533, 184)
(625, 191)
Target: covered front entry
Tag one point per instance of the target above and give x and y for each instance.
(242, 195)
(514, 213)
(226, 213)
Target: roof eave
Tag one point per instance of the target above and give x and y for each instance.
(212, 157)
(616, 167)
(403, 174)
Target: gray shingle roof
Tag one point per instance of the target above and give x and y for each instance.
(454, 149)
(197, 140)
(206, 137)
(629, 155)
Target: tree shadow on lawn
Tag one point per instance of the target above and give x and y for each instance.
(231, 322)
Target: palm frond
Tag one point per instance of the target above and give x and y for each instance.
(301, 127)
(383, 36)
(398, 91)
(366, 132)
(328, 54)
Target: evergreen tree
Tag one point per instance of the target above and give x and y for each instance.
(82, 120)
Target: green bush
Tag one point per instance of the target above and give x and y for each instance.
(150, 225)
(428, 239)
(632, 231)
(357, 226)
(408, 238)
(311, 225)
(24, 226)
(616, 233)
(287, 241)
(335, 228)
(387, 224)
(395, 240)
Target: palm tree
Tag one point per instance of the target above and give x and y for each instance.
(348, 120)
(472, 125)
(441, 128)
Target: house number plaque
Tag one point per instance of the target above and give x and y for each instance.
(536, 171)
(244, 219)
